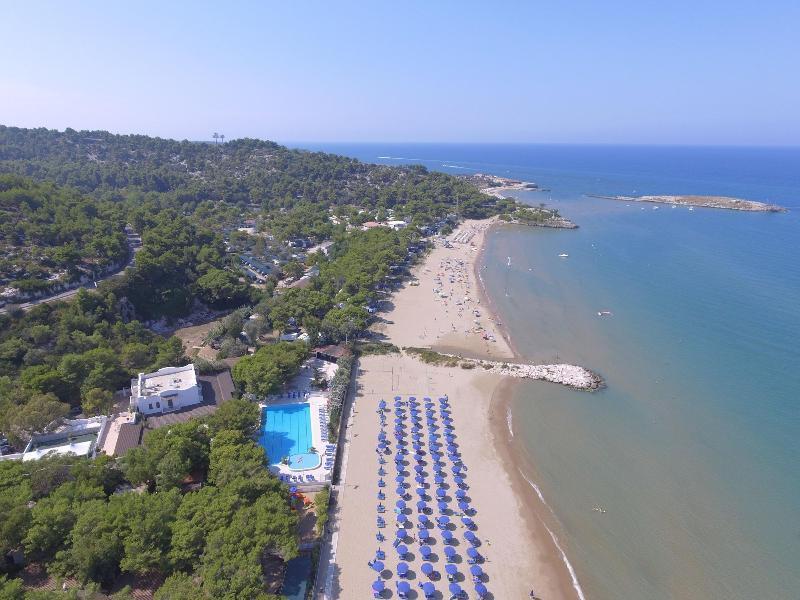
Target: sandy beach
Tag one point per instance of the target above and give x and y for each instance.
(520, 555)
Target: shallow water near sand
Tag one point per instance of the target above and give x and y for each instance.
(693, 449)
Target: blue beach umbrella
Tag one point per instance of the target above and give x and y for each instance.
(401, 534)
(400, 504)
(469, 523)
(378, 566)
(378, 586)
(473, 553)
(476, 571)
(455, 589)
(425, 551)
(403, 587)
(402, 519)
(442, 507)
(444, 520)
(447, 536)
(464, 506)
(419, 479)
(428, 589)
(449, 551)
(402, 550)
(451, 569)
(420, 492)
(441, 492)
(400, 479)
(423, 535)
(421, 505)
(401, 491)
(402, 569)
(461, 494)
(481, 590)
(426, 568)
(419, 468)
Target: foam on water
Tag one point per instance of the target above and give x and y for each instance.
(573, 576)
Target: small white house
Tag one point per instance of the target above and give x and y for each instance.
(166, 390)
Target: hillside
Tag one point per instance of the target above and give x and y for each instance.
(51, 236)
(244, 171)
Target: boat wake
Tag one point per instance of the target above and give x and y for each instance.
(575, 583)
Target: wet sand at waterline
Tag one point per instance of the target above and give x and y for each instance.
(520, 554)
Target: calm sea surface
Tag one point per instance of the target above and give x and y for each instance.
(693, 450)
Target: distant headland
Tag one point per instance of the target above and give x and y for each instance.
(495, 186)
(723, 202)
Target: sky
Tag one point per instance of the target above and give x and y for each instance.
(700, 72)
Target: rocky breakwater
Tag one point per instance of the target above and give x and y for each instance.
(573, 376)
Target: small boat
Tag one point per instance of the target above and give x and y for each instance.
(598, 508)
(563, 255)
(604, 313)
(691, 208)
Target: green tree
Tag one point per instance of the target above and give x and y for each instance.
(97, 401)
(221, 289)
(238, 415)
(265, 371)
(179, 586)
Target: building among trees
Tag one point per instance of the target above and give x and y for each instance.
(166, 390)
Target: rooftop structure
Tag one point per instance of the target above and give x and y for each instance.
(78, 437)
(166, 390)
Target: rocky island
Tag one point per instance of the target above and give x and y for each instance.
(723, 202)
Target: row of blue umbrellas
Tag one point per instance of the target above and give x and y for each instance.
(441, 494)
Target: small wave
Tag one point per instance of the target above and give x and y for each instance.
(508, 421)
(454, 167)
(405, 158)
(574, 576)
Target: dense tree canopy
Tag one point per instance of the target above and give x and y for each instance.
(265, 371)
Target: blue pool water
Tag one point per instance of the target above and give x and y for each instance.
(285, 430)
(693, 447)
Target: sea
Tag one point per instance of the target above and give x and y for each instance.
(681, 478)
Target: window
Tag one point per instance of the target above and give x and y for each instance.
(158, 404)
(150, 406)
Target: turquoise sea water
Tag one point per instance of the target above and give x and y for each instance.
(693, 450)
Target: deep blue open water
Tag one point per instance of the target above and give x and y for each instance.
(693, 449)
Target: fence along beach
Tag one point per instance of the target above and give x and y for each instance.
(513, 537)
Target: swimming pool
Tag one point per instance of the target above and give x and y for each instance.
(285, 430)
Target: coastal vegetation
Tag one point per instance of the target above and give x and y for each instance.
(201, 211)
(50, 235)
(82, 519)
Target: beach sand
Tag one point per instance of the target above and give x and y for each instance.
(520, 555)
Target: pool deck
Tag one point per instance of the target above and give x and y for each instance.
(318, 403)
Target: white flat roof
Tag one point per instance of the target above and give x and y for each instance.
(78, 449)
(168, 378)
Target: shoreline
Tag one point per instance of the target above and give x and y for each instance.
(540, 516)
(518, 464)
(449, 309)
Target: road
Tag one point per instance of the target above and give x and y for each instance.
(132, 248)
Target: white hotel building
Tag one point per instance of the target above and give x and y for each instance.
(168, 389)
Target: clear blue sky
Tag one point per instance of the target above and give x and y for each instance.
(675, 72)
